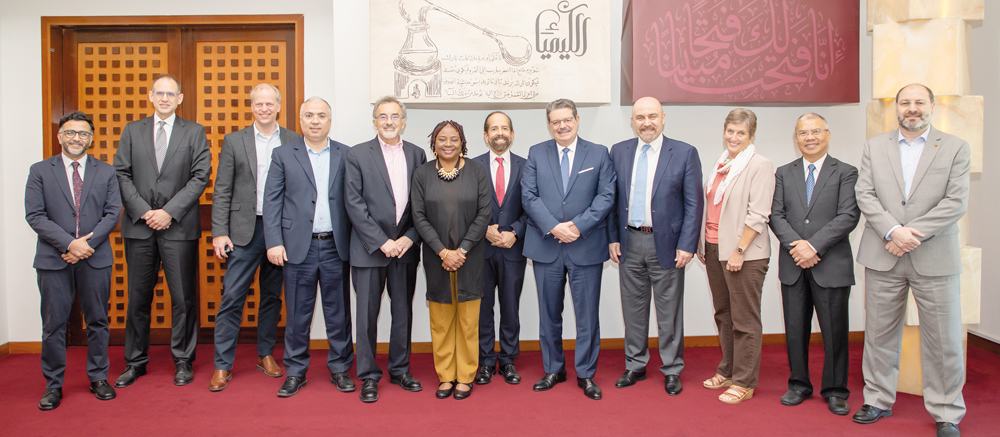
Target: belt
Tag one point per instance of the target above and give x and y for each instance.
(260, 217)
(323, 235)
(643, 229)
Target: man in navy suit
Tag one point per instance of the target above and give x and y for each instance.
(568, 189)
(307, 232)
(72, 202)
(654, 234)
(504, 261)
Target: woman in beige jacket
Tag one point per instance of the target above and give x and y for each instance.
(735, 249)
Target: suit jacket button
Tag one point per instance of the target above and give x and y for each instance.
(807, 221)
(904, 203)
(564, 203)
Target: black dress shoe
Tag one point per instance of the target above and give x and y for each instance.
(629, 378)
(509, 373)
(406, 381)
(369, 391)
(343, 382)
(673, 385)
(838, 406)
(291, 386)
(459, 394)
(445, 393)
(590, 388)
(485, 374)
(869, 414)
(102, 390)
(129, 376)
(184, 374)
(792, 398)
(549, 380)
(50, 400)
(947, 429)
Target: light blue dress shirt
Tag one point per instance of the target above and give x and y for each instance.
(321, 171)
(909, 157)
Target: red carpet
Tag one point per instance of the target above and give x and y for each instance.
(249, 406)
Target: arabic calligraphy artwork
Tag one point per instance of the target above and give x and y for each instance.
(516, 51)
(741, 51)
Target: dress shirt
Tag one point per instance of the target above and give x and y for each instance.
(264, 144)
(321, 170)
(572, 154)
(395, 163)
(169, 127)
(819, 166)
(909, 157)
(652, 156)
(494, 166)
(68, 162)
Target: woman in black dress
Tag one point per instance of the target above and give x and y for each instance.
(450, 199)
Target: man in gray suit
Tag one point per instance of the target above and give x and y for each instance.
(163, 164)
(238, 235)
(385, 247)
(812, 215)
(912, 204)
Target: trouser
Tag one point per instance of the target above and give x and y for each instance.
(93, 289)
(502, 280)
(455, 338)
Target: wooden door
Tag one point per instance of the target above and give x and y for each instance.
(106, 71)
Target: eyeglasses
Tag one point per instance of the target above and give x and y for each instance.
(72, 133)
(164, 93)
(815, 132)
(393, 117)
(567, 121)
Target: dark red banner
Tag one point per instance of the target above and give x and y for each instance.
(741, 51)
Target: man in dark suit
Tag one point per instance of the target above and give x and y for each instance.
(163, 164)
(71, 201)
(385, 247)
(306, 231)
(654, 234)
(568, 190)
(505, 262)
(812, 215)
(238, 235)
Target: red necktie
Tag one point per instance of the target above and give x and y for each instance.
(500, 183)
(77, 190)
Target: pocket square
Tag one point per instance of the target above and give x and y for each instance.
(584, 171)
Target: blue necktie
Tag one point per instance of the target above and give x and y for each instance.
(565, 169)
(810, 184)
(639, 193)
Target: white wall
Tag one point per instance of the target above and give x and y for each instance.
(4, 326)
(336, 68)
(983, 200)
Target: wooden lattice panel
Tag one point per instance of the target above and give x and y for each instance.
(227, 71)
(160, 312)
(114, 87)
(212, 272)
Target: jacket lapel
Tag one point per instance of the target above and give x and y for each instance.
(335, 157)
(175, 140)
(582, 147)
(484, 160)
(553, 153)
(630, 160)
(666, 152)
(799, 182)
(376, 150)
(926, 157)
(302, 155)
(515, 170)
(250, 146)
(59, 171)
(145, 144)
(88, 179)
(829, 167)
(896, 161)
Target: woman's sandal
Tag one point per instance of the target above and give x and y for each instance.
(736, 394)
(717, 381)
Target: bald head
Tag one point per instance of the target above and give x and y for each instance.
(647, 119)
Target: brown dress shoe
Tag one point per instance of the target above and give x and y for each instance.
(269, 366)
(220, 380)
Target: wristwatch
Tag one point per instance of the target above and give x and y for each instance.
(739, 250)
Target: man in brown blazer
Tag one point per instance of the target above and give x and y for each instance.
(238, 235)
(912, 204)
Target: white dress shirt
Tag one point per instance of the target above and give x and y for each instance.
(169, 127)
(652, 157)
(265, 144)
(819, 166)
(494, 166)
(68, 162)
(572, 154)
